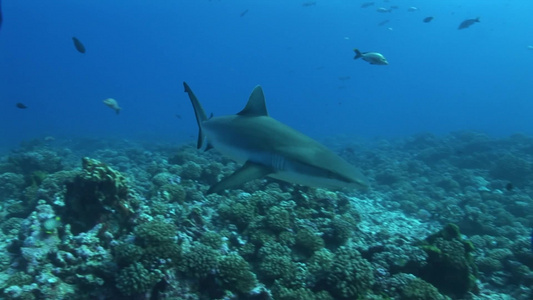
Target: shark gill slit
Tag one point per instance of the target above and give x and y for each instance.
(278, 162)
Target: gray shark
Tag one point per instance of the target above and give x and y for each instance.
(267, 147)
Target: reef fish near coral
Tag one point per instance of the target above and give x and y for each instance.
(21, 105)
(113, 104)
(374, 58)
(1, 19)
(367, 4)
(78, 45)
(467, 23)
(270, 148)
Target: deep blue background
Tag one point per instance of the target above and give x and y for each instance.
(440, 79)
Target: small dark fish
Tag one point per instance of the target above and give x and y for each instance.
(309, 3)
(79, 46)
(367, 4)
(343, 78)
(178, 116)
(21, 105)
(244, 12)
(1, 13)
(427, 19)
(383, 22)
(468, 22)
(509, 186)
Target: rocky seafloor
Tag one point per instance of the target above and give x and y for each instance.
(447, 217)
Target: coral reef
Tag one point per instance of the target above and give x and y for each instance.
(450, 265)
(135, 223)
(94, 194)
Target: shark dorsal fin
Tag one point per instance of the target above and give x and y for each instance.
(256, 104)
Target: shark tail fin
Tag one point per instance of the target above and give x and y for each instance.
(199, 112)
(357, 53)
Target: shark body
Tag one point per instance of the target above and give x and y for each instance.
(267, 147)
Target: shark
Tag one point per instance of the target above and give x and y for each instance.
(268, 148)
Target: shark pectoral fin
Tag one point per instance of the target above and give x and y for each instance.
(249, 171)
(208, 147)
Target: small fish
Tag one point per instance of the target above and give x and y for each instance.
(367, 4)
(412, 8)
(79, 46)
(21, 105)
(509, 187)
(343, 78)
(113, 104)
(467, 23)
(531, 239)
(394, 7)
(1, 19)
(309, 3)
(427, 19)
(383, 10)
(244, 12)
(50, 225)
(383, 22)
(374, 58)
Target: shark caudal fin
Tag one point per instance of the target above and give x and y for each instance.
(199, 112)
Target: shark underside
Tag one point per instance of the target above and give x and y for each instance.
(267, 147)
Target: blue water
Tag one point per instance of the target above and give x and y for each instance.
(440, 79)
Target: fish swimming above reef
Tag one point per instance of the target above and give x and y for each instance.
(374, 58)
(1, 19)
(468, 22)
(78, 45)
(367, 4)
(21, 105)
(531, 239)
(384, 10)
(113, 104)
(383, 22)
(427, 19)
(267, 147)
